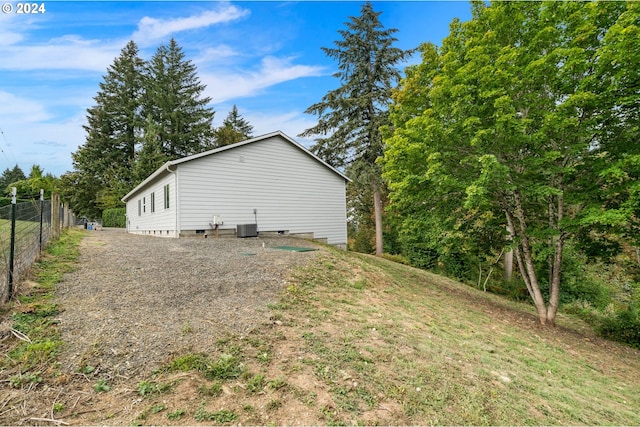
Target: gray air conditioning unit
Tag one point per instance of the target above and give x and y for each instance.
(247, 230)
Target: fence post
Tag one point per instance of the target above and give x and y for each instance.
(41, 215)
(55, 216)
(13, 242)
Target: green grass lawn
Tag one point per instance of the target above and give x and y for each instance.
(444, 353)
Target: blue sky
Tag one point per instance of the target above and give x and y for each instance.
(264, 57)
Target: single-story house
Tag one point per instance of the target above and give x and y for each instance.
(267, 184)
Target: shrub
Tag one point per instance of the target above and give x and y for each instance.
(623, 326)
(400, 259)
(583, 310)
(114, 218)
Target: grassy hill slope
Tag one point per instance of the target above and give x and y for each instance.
(397, 345)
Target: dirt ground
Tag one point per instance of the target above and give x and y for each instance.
(127, 308)
(137, 301)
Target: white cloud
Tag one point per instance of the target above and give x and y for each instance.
(152, 29)
(217, 54)
(65, 53)
(291, 123)
(73, 52)
(45, 143)
(20, 111)
(20, 51)
(226, 84)
(8, 38)
(61, 57)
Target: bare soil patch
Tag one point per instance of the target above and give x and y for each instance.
(138, 300)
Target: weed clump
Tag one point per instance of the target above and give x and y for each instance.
(221, 417)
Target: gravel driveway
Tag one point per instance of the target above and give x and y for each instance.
(137, 300)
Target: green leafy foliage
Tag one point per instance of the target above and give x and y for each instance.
(226, 366)
(215, 389)
(104, 163)
(29, 187)
(190, 362)
(101, 386)
(174, 103)
(624, 326)
(510, 136)
(115, 217)
(222, 416)
(176, 415)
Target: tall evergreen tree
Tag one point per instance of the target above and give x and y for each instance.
(113, 126)
(350, 117)
(11, 175)
(150, 157)
(234, 129)
(174, 102)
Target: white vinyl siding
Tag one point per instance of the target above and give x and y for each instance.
(290, 190)
(162, 220)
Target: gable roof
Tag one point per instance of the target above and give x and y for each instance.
(165, 168)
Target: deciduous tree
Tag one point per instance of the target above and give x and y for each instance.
(505, 125)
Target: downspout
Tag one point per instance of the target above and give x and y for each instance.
(175, 183)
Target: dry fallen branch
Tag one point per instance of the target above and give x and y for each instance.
(49, 420)
(20, 335)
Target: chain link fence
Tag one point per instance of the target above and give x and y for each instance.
(25, 229)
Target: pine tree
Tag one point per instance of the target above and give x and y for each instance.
(150, 157)
(174, 102)
(11, 175)
(351, 116)
(113, 126)
(234, 129)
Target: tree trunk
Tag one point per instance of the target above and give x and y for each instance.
(525, 263)
(554, 286)
(508, 259)
(556, 267)
(377, 208)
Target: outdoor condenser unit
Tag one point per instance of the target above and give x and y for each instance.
(247, 230)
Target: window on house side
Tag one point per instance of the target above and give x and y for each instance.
(144, 205)
(139, 207)
(166, 196)
(153, 202)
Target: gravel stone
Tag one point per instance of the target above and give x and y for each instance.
(136, 301)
